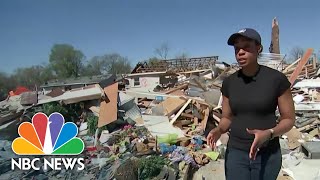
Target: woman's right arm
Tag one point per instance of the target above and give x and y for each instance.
(225, 121)
(223, 126)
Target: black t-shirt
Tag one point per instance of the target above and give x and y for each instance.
(253, 101)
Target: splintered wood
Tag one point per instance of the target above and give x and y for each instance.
(205, 118)
(300, 65)
(180, 111)
(192, 117)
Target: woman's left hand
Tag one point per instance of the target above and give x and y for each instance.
(260, 137)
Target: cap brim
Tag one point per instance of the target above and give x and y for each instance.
(233, 37)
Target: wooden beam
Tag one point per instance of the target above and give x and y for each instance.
(188, 111)
(205, 119)
(291, 65)
(301, 64)
(187, 115)
(216, 117)
(306, 71)
(200, 102)
(142, 99)
(177, 88)
(308, 66)
(310, 126)
(181, 110)
(196, 120)
(216, 85)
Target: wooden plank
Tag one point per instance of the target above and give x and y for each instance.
(306, 71)
(310, 126)
(216, 117)
(200, 102)
(169, 106)
(181, 110)
(216, 85)
(177, 88)
(187, 115)
(315, 132)
(108, 108)
(291, 65)
(308, 66)
(301, 64)
(205, 119)
(196, 121)
(197, 105)
(142, 99)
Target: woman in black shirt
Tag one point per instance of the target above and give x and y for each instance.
(250, 98)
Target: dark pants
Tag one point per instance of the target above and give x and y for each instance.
(238, 165)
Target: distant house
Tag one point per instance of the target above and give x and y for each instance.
(72, 83)
(147, 82)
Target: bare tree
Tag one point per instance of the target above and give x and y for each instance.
(296, 53)
(163, 50)
(183, 55)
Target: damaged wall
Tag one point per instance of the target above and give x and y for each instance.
(144, 83)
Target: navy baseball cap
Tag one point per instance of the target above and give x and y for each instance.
(247, 32)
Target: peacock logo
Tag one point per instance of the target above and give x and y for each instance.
(48, 136)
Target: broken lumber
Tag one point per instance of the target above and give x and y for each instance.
(315, 132)
(196, 120)
(205, 119)
(216, 117)
(187, 115)
(142, 99)
(300, 66)
(177, 88)
(310, 126)
(290, 66)
(181, 110)
(168, 106)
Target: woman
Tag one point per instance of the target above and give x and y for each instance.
(250, 98)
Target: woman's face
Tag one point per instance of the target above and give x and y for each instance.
(246, 51)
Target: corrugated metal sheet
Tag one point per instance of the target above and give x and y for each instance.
(272, 60)
(129, 106)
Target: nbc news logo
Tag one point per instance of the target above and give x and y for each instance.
(47, 136)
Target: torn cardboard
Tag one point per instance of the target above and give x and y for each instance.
(293, 136)
(168, 107)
